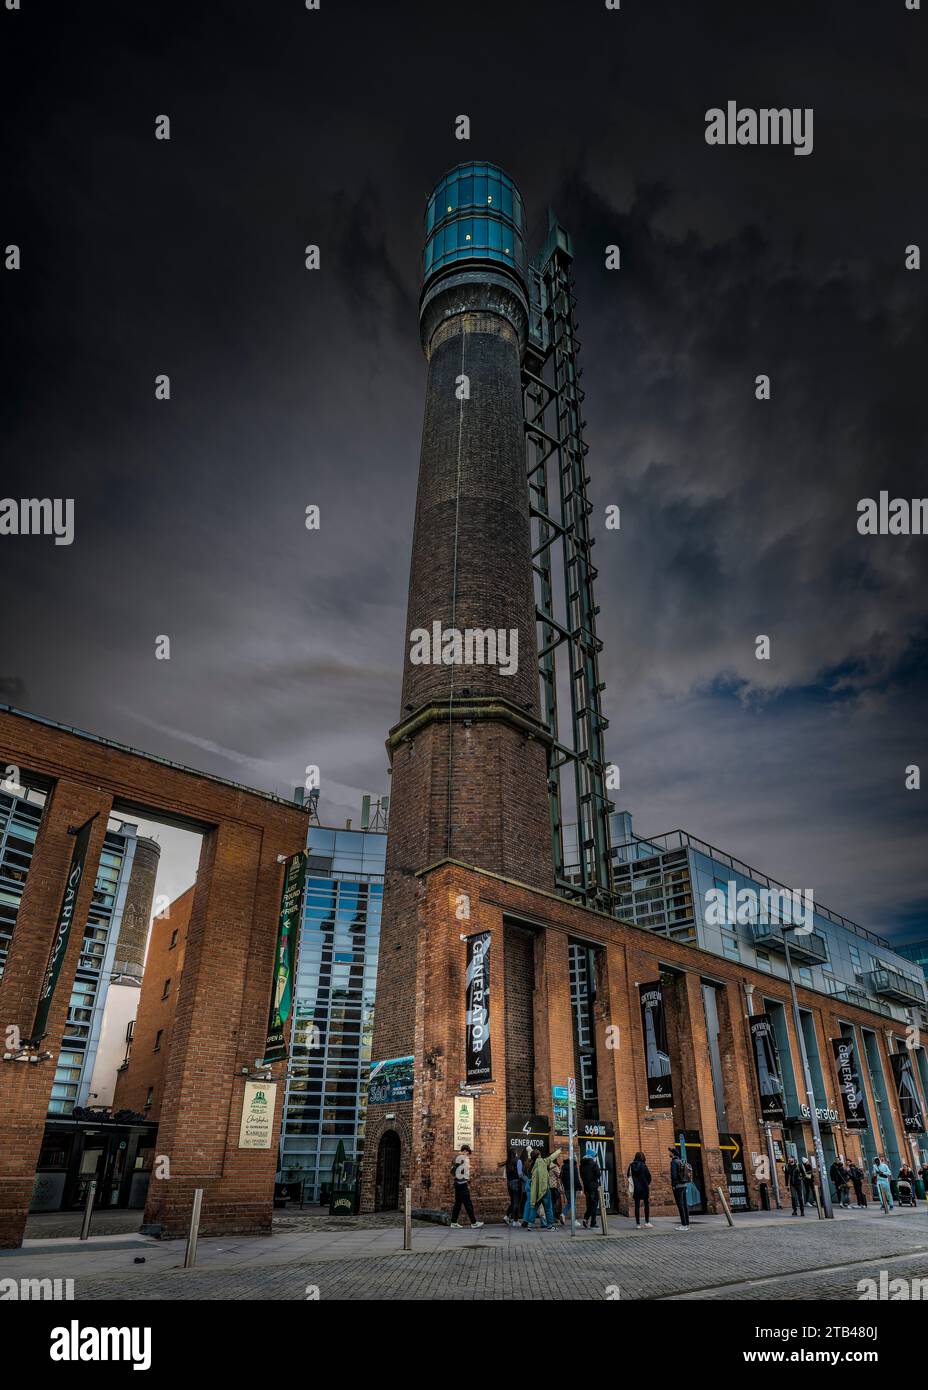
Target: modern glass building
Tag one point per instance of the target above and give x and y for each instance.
(86, 1006)
(326, 1091)
(665, 883)
(474, 214)
(20, 817)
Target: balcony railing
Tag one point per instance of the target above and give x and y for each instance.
(806, 947)
(890, 984)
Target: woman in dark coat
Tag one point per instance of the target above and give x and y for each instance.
(641, 1188)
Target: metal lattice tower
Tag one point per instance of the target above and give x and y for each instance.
(564, 574)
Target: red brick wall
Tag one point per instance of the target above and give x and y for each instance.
(147, 1068)
(632, 955)
(222, 1012)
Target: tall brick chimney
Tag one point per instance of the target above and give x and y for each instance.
(469, 753)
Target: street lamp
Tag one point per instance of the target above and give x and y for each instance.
(797, 1022)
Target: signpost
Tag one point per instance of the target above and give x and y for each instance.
(571, 1102)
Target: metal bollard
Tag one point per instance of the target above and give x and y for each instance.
(725, 1206)
(191, 1252)
(88, 1208)
(407, 1221)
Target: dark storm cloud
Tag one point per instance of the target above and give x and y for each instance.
(292, 387)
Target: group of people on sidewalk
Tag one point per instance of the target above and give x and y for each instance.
(541, 1185)
(800, 1180)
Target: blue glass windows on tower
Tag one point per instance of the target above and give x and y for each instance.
(475, 213)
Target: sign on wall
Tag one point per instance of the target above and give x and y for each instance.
(390, 1081)
(478, 1056)
(463, 1121)
(599, 1135)
(528, 1132)
(258, 1104)
(767, 1068)
(852, 1092)
(656, 1047)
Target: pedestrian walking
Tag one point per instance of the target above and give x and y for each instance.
(796, 1182)
(554, 1186)
(681, 1175)
(857, 1176)
(513, 1166)
(540, 1193)
(567, 1167)
(881, 1177)
(808, 1182)
(590, 1176)
(841, 1179)
(460, 1172)
(638, 1177)
(905, 1185)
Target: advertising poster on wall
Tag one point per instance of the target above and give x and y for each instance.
(656, 1047)
(767, 1068)
(478, 1049)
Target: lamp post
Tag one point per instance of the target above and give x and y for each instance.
(816, 1132)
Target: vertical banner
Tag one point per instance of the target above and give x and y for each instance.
(852, 1093)
(913, 1121)
(656, 1050)
(62, 930)
(478, 1054)
(291, 904)
(767, 1066)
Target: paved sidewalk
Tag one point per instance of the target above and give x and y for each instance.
(766, 1255)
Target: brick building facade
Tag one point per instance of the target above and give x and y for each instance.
(533, 1046)
(140, 1084)
(221, 1017)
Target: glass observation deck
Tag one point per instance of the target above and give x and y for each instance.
(475, 214)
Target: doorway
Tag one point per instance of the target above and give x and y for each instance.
(387, 1194)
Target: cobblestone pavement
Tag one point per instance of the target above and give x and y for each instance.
(766, 1259)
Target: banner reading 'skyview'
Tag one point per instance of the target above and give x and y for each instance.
(767, 1066)
(912, 1119)
(63, 929)
(291, 901)
(479, 1061)
(852, 1093)
(656, 1049)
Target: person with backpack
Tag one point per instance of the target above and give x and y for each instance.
(681, 1175)
(590, 1176)
(460, 1172)
(796, 1182)
(638, 1177)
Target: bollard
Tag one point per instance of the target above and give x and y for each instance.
(725, 1206)
(407, 1221)
(88, 1208)
(191, 1252)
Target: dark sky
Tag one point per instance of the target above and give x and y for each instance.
(290, 388)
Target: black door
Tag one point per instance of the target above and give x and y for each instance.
(387, 1195)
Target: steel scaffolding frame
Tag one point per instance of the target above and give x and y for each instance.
(560, 511)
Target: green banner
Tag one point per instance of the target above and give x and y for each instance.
(62, 930)
(291, 904)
